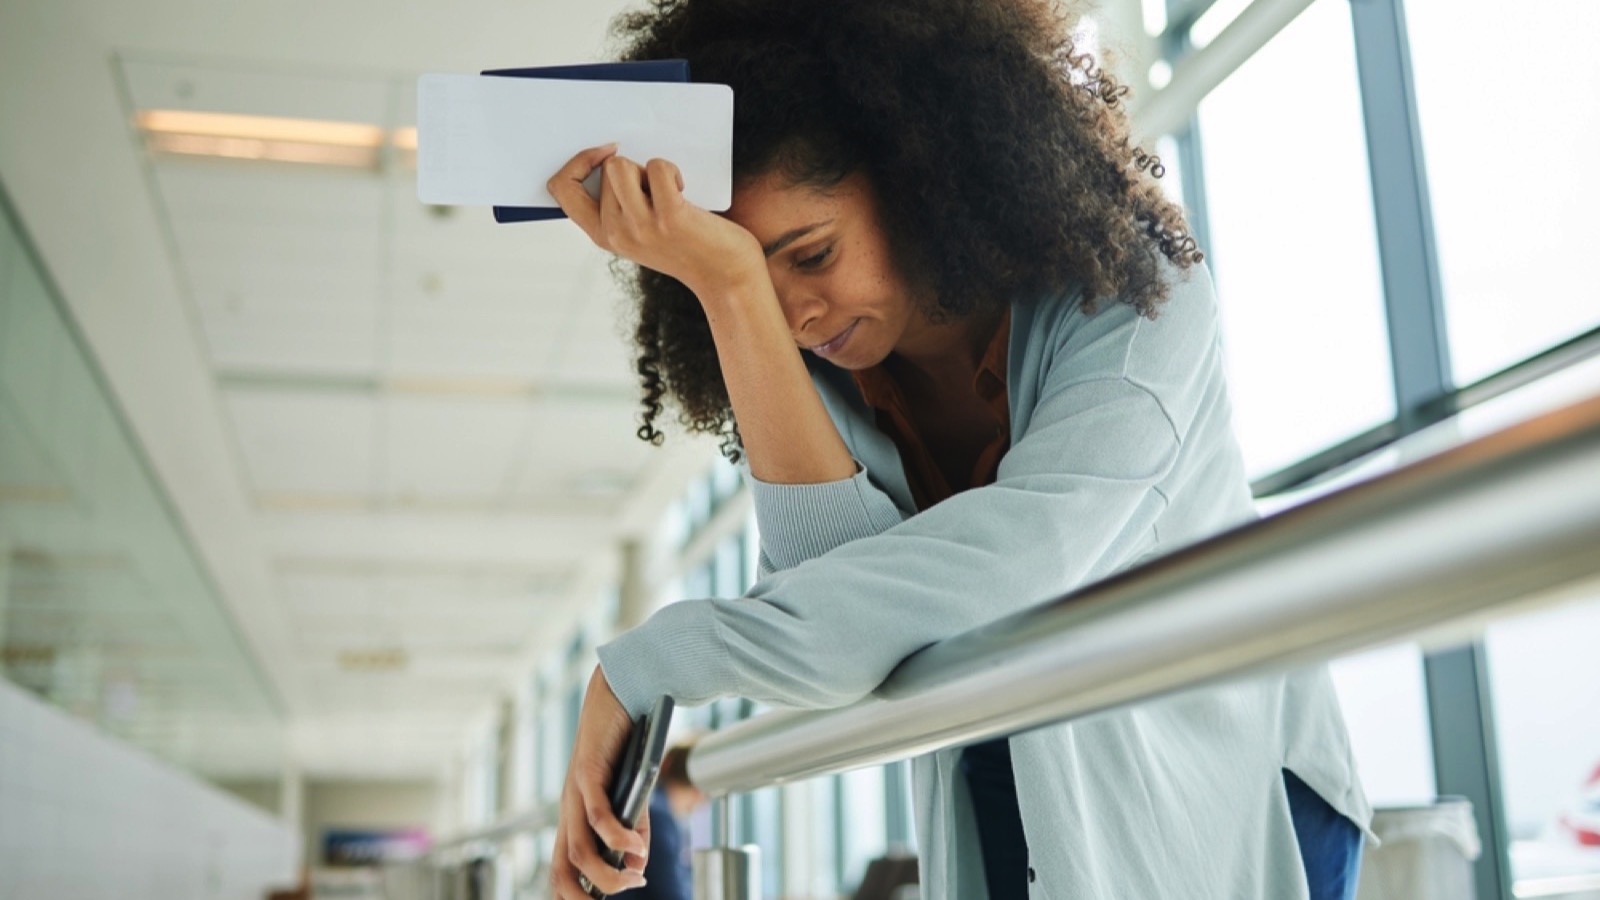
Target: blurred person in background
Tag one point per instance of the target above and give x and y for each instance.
(667, 871)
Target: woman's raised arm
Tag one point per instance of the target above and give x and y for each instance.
(642, 215)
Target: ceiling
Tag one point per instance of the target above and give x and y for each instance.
(399, 438)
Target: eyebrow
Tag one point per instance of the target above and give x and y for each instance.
(790, 237)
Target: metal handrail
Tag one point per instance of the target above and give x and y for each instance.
(525, 821)
(1445, 542)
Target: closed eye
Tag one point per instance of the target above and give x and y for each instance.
(815, 260)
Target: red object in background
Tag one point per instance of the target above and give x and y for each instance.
(1584, 822)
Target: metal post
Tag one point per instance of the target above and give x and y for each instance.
(1466, 756)
(725, 872)
(721, 834)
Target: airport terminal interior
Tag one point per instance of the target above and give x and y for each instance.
(316, 501)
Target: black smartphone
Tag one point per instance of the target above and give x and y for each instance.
(635, 776)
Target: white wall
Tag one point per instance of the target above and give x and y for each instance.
(84, 817)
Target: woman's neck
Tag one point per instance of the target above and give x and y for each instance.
(945, 356)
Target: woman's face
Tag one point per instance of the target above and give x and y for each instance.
(830, 264)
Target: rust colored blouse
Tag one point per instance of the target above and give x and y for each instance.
(893, 415)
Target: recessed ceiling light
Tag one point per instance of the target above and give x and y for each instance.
(389, 659)
(265, 128)
(272, 138)
(268, 151)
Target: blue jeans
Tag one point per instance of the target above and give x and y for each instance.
(1330, 844)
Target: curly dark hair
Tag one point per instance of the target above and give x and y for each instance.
(998, 152)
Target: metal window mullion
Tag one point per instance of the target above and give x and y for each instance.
(1460, 709)
(1191, 168)
(897, 805)
(1466, 756)
(1413, 299)
(840, 840)
(1175, 44)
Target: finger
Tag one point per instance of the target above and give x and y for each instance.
(566, 187)
(582, 854)
(638, 861)
(597, 810)
(563, 877)
(624, 179)
(666, 180)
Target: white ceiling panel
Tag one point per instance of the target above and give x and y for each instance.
(483, 584)
(577, 445)
(470, 233)
(462, 630)
(203, 191)
(225, 284)
(516, 354)
(471, 328)
(446, 666)
(450, 621)
(598, 347)
(257, 90)
(322, 318)
(468, 293)
(386, 727)
(328, 593)
(305, 442)
(333, 341)
(308, 245)
(451, 447)
(606, 362)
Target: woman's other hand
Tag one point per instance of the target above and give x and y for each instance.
(586, 807)
(642, 215)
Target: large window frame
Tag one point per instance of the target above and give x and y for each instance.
(1460, 711)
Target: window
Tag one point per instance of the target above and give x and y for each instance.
(553, 742)
(95, 570)
(1508, 143)
(1385, 707)
(1545, 684)
(1293, 245)
(525, 789)
(1172, 176)
(763, 817)
(863, 823)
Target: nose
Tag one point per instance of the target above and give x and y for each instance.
(803, 309)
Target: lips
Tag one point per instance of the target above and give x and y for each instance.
(836, 343)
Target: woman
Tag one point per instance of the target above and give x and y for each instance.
(973, 361)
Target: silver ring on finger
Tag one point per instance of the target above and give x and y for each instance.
(589, 888)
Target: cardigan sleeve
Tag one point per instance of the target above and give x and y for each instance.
(798, 522)
(1074, 500)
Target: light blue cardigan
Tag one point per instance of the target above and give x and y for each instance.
(1121, 450)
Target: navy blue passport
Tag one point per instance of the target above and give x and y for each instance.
(647, 70)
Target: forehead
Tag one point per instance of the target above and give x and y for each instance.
(771, 205)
